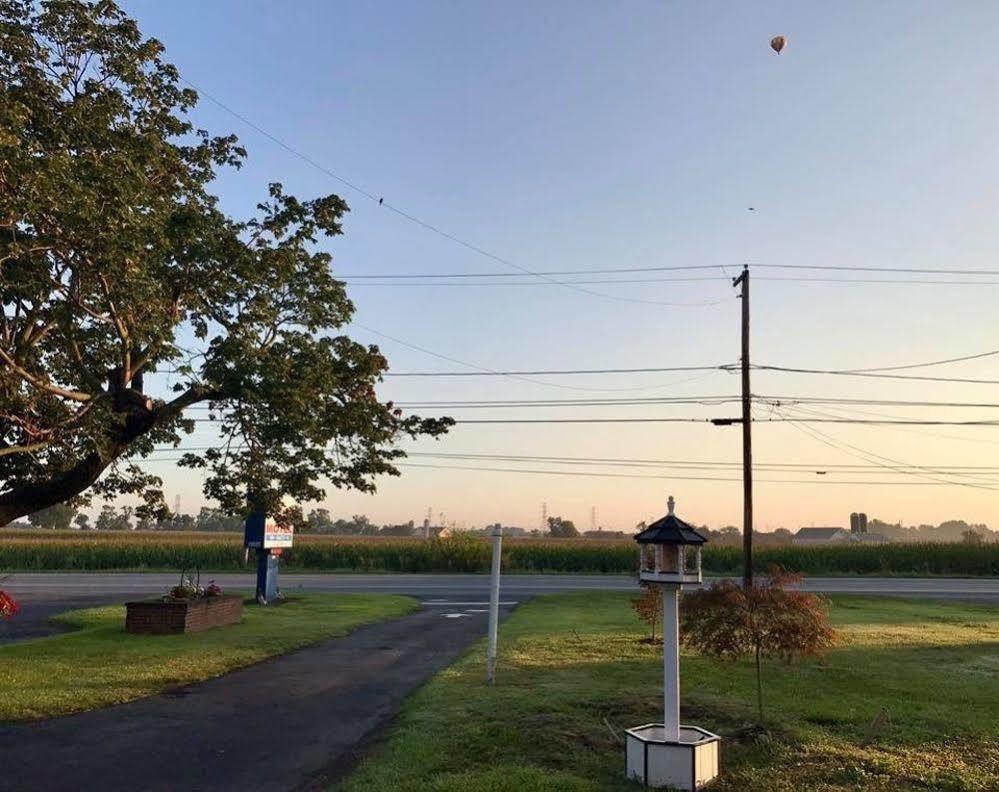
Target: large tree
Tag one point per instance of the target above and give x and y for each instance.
(58, 517)
(562, 529)
(116, 261)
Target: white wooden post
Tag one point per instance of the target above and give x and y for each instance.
(494, 593)
(671, 664)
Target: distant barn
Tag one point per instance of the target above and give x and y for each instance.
(814, 536)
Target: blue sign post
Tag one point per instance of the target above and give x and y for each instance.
(265, 537)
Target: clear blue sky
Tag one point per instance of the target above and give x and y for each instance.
(578, 135)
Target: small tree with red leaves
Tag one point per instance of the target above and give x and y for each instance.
(648, 606)
(766, 619)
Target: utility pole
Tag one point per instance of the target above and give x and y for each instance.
(747, 437)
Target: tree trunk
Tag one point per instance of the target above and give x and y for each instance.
(27, 499)
(19, 501)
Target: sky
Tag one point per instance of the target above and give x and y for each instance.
(583, 135)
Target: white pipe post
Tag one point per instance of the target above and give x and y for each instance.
(494, 593)
(671, 664)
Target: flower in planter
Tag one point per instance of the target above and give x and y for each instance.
(8, 607)
(213, 590)
(187, 589)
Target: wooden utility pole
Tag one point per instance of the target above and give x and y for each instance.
(747, 437)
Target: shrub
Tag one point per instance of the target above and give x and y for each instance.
(765, 619)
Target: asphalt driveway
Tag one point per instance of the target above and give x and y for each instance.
(299, 721)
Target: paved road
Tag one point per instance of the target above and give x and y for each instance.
(43, 594)
(515, 587)
(297, 722)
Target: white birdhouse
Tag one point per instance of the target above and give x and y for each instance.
(671, 754)
(670, 551)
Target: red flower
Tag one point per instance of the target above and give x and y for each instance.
(8, 607)
(213, 590)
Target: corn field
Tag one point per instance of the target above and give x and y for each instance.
(71, 550)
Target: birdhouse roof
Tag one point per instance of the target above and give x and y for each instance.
(670, 530)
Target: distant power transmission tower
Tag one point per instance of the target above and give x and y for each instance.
(593, 518)
(176, 504)
(544, 516)
(426, 522)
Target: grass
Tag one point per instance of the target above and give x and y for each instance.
(105, 550)
(574, 673)
(98, 663)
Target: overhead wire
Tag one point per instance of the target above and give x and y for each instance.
(486, 371)
(896, 465)
(672, 477)
(381, 202)
(634, 462)
(873, 375)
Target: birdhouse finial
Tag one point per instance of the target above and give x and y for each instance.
(670, 504)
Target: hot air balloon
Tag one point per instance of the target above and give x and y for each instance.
(777, 43)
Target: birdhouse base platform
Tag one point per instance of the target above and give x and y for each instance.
(688, 764)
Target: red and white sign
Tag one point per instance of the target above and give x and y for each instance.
(277, 535)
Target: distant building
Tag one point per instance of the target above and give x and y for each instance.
(817, 536)
(858, 523)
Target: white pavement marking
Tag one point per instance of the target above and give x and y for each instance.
(453, 615)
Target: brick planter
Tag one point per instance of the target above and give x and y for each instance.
(166, 617)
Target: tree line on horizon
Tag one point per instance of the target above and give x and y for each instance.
(320, 521)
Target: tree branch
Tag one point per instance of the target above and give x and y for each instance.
(25, 449)
(42, 384)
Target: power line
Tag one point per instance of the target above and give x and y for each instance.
(554, 372)
(832, 400)
(851, 373)
(635, 462)
(560, 273)
(675, 268)
(669, 477)
(876, 422)
(715, 421)
(818, 468)
(706, 401)
(990, 353)
(876, 281)
(632, 281)
(854, 268)
(905, 429)
(896, 465)
(729, 367)
(585, 474)
(380, 201)
(869, 455)
(485, 371)
(546, 276)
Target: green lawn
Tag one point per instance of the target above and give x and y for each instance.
(573, 674)
(98, 663)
